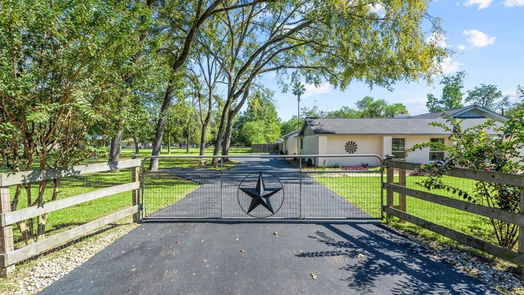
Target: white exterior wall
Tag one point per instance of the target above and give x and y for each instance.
(310, 146)
(386, 145)
(422, 155)
(367, 144)
(290, 145)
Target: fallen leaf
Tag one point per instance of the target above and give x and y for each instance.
(313, 276)
(360, 255)
(276, 234)
(178, 242)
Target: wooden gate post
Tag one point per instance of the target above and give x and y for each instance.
(521, 230)
(135, 194)
(389, 193)
(6, 233)
(401, 197)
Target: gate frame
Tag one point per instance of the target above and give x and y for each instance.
(143, 171)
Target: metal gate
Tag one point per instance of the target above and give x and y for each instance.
(263, 186)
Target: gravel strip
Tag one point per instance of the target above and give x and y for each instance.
(504, 280)
(35, 275)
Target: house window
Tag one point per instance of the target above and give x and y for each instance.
(398, 148)
(434, 153)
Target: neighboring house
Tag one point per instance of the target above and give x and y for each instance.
(381, 136)
(290, 143)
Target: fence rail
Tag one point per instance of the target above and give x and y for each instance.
(400, 188)
(9, 256)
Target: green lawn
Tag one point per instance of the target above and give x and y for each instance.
(364, 192)
(160, 184)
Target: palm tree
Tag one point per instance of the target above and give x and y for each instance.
(298, 90)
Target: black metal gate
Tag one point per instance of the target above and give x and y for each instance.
(263, 186)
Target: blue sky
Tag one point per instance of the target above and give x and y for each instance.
(487, 37)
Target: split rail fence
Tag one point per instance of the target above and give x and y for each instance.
(401, 210)
(9, 256)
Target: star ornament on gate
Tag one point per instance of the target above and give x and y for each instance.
(260, 195)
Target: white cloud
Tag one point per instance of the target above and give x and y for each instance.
(461, 47)
(481, 4)
(513, 3)
(479, 39)
(311, 89)
(439, 39)
(514, 96)
(449, 66)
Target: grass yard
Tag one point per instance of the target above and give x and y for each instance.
(162, 184)
(364, 192)
(76, 215)
(166, 163)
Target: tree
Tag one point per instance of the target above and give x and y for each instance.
(476, 149)
(181, 22)
(368, 107)
(299, 36)
(260, 115)
(290, 125)
(60, 68)
(451, 94)
(486, 96)
(344, 112)
(298, 90)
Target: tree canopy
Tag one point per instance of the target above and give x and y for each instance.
(452, 94)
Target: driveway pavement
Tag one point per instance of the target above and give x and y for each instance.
(217, 196)
(265, 257)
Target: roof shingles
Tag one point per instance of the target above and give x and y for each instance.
(383, 126)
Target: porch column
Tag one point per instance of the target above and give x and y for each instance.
(322, 149)
(386, 145)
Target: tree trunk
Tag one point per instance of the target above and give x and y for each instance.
(135, 142)
(220, 134)
(202, 150)
(188, 137)
(227, 135)
(229, 126)
(114, 149)
(169, 142)
(159, 131)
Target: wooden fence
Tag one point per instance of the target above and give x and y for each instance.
(264, 148)
(399, 211)
(9, 256)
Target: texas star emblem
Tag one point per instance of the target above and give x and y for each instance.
(261, 195)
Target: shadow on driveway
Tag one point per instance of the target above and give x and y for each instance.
(269, 257)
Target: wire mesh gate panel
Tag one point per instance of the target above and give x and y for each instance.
(264, 186)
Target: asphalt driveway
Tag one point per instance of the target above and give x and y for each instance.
(265, 257)
(360, 257)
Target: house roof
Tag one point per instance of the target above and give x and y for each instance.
(382, 126)
(292, 133)
(464, 112)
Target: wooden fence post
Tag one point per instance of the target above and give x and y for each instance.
(135, 194)
(401, 197)
(521, 231)
(6, 232)
(389, 193)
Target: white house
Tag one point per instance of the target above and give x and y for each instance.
(380, 136)
(290, 143)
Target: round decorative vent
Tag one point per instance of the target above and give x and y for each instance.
(351, 147)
